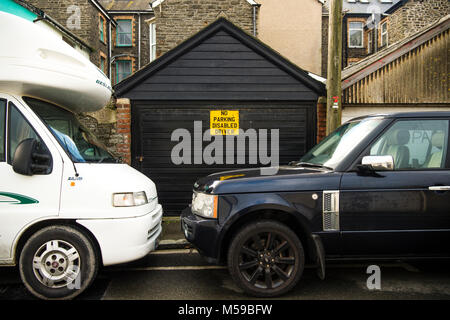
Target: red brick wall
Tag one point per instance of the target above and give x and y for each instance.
(321, 119)
(123, 148)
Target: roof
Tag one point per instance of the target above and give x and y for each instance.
(103, 11)
(126, 5)
(372, 63)
(396, 6)
(359, 7)
(221, 25)
(155, 3)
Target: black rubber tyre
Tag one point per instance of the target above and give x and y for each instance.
(58, 262)
(266, 258)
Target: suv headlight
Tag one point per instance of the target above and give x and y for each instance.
(129, 199)
(204, 205)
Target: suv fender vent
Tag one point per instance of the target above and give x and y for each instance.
(330, 211)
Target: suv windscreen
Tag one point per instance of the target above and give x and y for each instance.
(334, 148)
(79, 143)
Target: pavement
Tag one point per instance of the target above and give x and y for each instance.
(172, 237)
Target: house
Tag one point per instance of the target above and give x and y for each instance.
(364, 29)
(88, 21)
(293, 28)
(409, 75)
(31, 13)
(221, 68)
(133, 41)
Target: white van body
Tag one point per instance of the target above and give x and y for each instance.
(75, 193)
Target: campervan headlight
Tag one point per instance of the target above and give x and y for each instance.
(204, 205)
(129, 199)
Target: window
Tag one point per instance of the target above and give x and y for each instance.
(355, 34)
(415, 144)
(19, 130)
(124, 33)
(2, 129)
(152, 37)
(75, 139)
(101, 26)
(123, 69)
(102, 64)
(369, 42)
(384, 34)
(333, 149)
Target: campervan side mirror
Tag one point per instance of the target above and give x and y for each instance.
(31, 157)
(376, 163)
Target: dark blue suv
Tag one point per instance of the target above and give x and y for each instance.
(377, 187)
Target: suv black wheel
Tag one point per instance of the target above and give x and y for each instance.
(58, 262)
(266, 258)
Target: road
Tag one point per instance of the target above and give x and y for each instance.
(182, 275)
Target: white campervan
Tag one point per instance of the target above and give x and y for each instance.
(67, 206)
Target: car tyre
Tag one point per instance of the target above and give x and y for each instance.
(266, 258)
(58, 262)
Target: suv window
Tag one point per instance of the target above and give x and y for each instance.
(2, 129)
(19, 130)
(414, 144)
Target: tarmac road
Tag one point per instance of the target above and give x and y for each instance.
(183, 275)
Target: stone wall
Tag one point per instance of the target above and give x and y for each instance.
(112, 126)
(414, 16)
(178, 20)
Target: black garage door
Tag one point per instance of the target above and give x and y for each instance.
(153, 125)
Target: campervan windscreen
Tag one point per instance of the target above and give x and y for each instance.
(79, 143)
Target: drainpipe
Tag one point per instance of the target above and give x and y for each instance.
(139, 41)
(109, 50)
(255, 6)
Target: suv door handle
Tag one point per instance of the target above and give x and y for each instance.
(439, 188)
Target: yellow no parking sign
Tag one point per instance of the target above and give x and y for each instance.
(224, 122)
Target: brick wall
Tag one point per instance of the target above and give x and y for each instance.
(123, 147)
(112, 126)
(415, 15)
(178, 20)
(321, 119)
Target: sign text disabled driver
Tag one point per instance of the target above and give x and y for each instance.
(224, 122)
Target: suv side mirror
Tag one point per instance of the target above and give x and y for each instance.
(376, 163)
(31, 157)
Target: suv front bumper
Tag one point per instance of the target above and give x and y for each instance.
(204, 234)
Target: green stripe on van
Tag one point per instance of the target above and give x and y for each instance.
(16, 198)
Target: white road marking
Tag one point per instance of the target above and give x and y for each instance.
(174, 251)
(402, 265)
